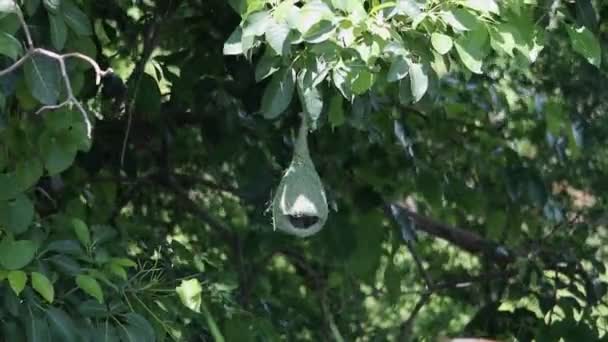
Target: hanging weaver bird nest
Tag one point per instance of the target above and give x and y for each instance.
(299, 206)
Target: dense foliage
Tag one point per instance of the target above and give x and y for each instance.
(460, 144)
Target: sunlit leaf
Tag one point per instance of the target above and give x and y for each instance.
(441, 43)
(7, 6)
(319, 32)
(43, 286)
(189, 292)
(233, 45)
(90, 286)
(82, 232)
(471, 49)
(419, 80)
(460, 19)
(361, 80)
(17, 280)
(483, 6)
(585, 43)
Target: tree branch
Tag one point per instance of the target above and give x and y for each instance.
(464, 239)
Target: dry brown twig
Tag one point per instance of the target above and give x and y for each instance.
(61, 59)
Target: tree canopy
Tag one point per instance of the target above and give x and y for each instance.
(460, 146)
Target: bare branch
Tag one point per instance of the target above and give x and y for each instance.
(16, 65)
(466, 240)
(98, 72)
(60, 58)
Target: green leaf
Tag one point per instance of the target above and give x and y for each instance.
(58, 158)
(92, 308)
(17, 280)
(340, 79)
(148, 100)
(361, 80)
(90, 286)
(10, 46)
(215, 331)
(28, 172)
(61, 325)
(233, 45)
(143, 327)
(278, 94)
(460, 19)
(117, 270)
(17, 214)
(59, 31)
(504, 38)
(65, 264)
(43, 286)
(52, 5)
(244, 7)
(268, 64)
(65, 247)
(586, 14)
(277, 37)
(82, 232)
(31, 6)
(483, 6)
(9, 187)
(319, 32)
(15, 255)
(310, 96)
(7, 6)
(124, 262)
(398, 70)
(336, 111)
(405, 92)
(441, 43)
(43, 78)
(84, 45)
(419, 80)
(76, 19)
(189, 292)
(471, 49)
(585, 43)
(37, 329)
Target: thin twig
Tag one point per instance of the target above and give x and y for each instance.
(16, 65)
(335, 331)
(406, 327)
(149, 46)
(28, 35)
